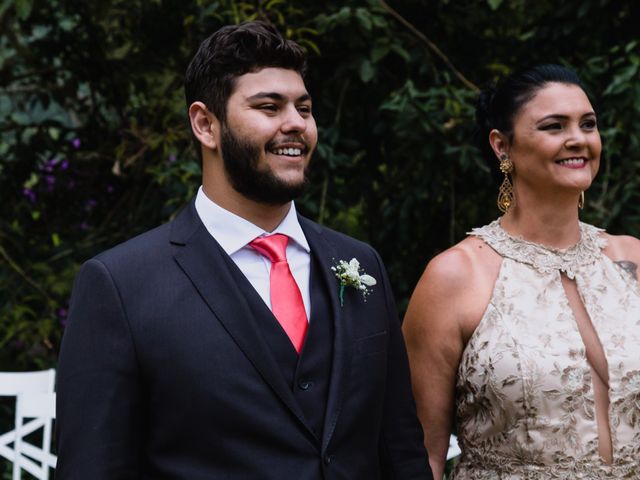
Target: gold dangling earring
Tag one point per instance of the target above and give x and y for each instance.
(581, 201)
(506, 198)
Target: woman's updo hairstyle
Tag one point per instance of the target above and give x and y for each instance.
(498, 105)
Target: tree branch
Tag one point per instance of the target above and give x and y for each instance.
(432, 46)
(19, 271)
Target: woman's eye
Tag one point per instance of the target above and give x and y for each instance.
(551, 126)
(304, 109)
(589, 124)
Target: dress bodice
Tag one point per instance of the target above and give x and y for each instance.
(524, 395)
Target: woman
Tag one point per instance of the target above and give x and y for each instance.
(531, 325)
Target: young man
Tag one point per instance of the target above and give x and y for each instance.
(218, 346)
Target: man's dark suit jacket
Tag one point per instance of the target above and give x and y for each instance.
(172, 367)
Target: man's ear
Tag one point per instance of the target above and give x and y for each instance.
(499, 143)
(204, 125)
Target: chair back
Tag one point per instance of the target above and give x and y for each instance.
(11, 385)
(37, 460)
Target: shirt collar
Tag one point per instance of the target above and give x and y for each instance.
(233, 232)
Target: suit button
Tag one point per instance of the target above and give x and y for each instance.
(328, 459)
(305, 384)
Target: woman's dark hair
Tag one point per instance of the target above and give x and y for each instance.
(498, 105)
(231, 52)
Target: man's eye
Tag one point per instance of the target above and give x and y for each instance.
(269, 107)
(304, 109)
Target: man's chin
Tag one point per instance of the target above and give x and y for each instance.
(274, 193)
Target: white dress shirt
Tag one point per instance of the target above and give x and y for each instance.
(234, 234)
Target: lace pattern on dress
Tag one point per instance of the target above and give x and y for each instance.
(542, 258)
(491, 466)
(524, 397)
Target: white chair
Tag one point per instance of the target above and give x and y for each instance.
(14, 383)
(454, 449)
(37, 460)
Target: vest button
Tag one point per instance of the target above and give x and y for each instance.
(328, 459)
(305, 384)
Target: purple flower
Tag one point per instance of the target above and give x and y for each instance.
(76, 143)
(62, 316)
(50, 165)
(90, 204)
(50, 180)
(30, 194)
(64, 165)
(172, 158)
(109, 188)
(84, 226)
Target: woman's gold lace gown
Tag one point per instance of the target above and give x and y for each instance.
(525, 403)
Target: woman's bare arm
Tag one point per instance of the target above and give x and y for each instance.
(444, 310)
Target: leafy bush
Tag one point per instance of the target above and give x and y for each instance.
(95, 145)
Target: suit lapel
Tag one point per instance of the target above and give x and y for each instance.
(327, 256)
(208, 267)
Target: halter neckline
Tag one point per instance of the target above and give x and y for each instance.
(544, 258)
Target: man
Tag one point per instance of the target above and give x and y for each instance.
(222, 345)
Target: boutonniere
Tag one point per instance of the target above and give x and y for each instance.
(349, 274)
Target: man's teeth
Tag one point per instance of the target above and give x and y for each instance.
(293, 152)
(572, 161)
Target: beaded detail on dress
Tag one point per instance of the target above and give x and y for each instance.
(545, 259)
(524, 396)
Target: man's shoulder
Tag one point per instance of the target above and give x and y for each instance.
(139, 244)
(148, 245)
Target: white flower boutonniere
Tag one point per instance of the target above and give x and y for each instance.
(349, 276)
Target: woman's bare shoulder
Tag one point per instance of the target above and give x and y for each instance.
(453, 293)
(624, 250)
(458, 278)
(456, 265)
(623, 244)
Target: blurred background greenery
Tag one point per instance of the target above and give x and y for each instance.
(95, 147)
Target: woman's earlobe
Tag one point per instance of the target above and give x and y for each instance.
(498, 143)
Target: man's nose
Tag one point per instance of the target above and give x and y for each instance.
(293, 121)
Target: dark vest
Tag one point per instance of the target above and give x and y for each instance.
(307, 374)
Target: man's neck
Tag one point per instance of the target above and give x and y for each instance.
(265, 216)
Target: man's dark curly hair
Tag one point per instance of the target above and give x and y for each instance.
(231, 52)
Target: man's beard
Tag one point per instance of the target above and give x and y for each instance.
(241, 158)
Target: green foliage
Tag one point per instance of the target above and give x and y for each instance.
(95, 145)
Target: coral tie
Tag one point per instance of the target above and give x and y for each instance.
(286, 301)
